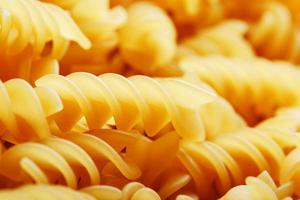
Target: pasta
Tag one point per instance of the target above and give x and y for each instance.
(228, 159)
(147, 48)
(101, 25)
(39, 161)
(149, 99)
(239, 82)
(259, 187)
(138, 101)
(275, 36)
(27, 38)
(211, 41)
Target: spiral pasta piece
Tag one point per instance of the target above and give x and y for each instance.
(31, 31)
(138, 100)
(275, 36)
(228, 159)
(248, 83)
(100, 24)
(148, 39)
(76, 157)
(289, 173)
(44, 192)
(210, 41)
(260, 187)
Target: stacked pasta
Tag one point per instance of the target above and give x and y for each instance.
(149, 100)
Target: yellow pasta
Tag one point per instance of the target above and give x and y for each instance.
(260, 187)
(148, 39)
(149, 99)
(73, 158)
(210, 41)
(32, 31)
(100, 23)
(248, 83)
(138, 101)
(275, 36)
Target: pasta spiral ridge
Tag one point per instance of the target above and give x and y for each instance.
(76, 157)
(131, 191)
(260, 187)
(139, 101)
(152, 44)
(247, 83)
(33, 31)
(210, 41)
(275, 35)
(227, 160)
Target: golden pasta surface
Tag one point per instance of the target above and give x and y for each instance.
(149, 100)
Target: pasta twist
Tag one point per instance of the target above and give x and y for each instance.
(289, 173)
(100, 23)
(211, 41)
(131, 191)
(225, 161)
(77, 158)
(44, 192)
(148, 39)
(275, 36)
(247, 84)
(32, 30)
(260, 187)
(59, 103)
(194, 12)
(23, 115)
(137, 102)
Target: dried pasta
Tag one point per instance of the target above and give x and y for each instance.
(32, 31)
(238, 81)
(260, 187)
(148, 39)
(210, 41)
(149, 99)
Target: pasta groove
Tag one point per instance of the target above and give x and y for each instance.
(247, 84)
(275, 36)
(228, 159)
(210, 41)
(148, 47)
(73, 157)
(44, 32)
(259, 187)
(138, 101)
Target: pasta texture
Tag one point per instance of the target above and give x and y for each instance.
(33, 36)
(259, 187)
(149, 100)
(239, 82)
(210, 41)
(96, 100)
(148, 39)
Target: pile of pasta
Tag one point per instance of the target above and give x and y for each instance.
(149, 99)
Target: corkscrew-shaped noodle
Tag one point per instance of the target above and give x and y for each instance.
(228, 159)
(44, 192)
(260, 187)
(275, 36)
(148, 39)
(40, 160)
(100, 24)
(22, 114)
(248, 83)
(194, 12)
(210, 41)
(32, 31)
(138, 100)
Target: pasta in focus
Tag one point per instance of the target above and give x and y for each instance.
(32, 31)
